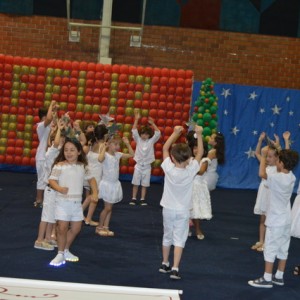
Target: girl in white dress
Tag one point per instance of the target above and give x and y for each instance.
(200, 196)
(67, 177)
(216, 157)
(295, 230)
(95, 167)
(110, 187)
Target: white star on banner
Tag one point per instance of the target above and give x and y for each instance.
(272, 124)
(225, 112)
(291, 113)
(226, 93)
(235, 130)
(288, 99)
(276, 110)
(252, 96)
(250, 153)
(262, 110)
(254, 132)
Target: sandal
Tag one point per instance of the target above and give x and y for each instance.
(296, 271)
(261, 248)
(109, 232)
(101, 231)
(256, 245)
(38, 204)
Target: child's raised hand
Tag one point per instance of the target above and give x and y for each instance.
(276, 142)
(262, 136)
(286, 135)
(150, 121)
(137, 114)
(60, 124)
(178, 129)
(125, 140)
(264, 151)
(198, 129)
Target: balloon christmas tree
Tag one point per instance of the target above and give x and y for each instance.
(205, 110)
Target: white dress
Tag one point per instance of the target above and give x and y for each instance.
(110, 188)
(211, 176)
(201, 198)
(295, 229)
(262, 197)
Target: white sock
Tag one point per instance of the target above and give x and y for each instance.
(267, 276)
(166, 263)
(175, 269)
(279, 274)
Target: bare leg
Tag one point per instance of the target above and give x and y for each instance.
(143, 192)
(281, 265)
(72, 233)
(262, 229)
(86, 201)
(91, 210)
(105, 215)
(62, 232)
(166, 253)
(49, 231)
(269, 267)
(135, 189)
(198, 230)
(177, 256)
(42, 231)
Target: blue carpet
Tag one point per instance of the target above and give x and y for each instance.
(216, 268)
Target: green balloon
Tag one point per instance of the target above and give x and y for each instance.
(200, 122)
(213, 109)
(197, 103)
(201, 109)
(212, 124)
(207, 117)
(206, 131)
(195, 117)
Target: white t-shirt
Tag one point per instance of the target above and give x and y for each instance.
(178, 184)
(281, 187)
(43, 133)
(144, 152)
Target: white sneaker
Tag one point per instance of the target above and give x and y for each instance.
(58, 260)
(70, 257)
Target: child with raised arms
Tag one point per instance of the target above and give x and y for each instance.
(110, 186)
(180, 169)
(145, 139)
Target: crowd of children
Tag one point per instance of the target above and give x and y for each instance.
(71, 159)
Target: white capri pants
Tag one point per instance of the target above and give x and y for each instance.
(277, 242)
(141, 175)
(48, 212)
(176, 227)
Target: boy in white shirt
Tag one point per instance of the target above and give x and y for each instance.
(43, 130)
(144, 156)
(278, 216)
(180, 169)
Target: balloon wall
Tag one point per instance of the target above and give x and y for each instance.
(87, 90)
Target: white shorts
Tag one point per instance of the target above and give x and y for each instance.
(277, 242)
(141, 175)
(68, 210)
(40, 171)
(176, 227)
(48, 212)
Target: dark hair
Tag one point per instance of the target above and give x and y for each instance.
(146, 130)
(181, 152)
(99, 133)
(220, 148)
(289, 158)
(42, 112)
(193, 142)
(61, 156)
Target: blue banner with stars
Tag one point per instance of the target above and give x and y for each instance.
(243, 113)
